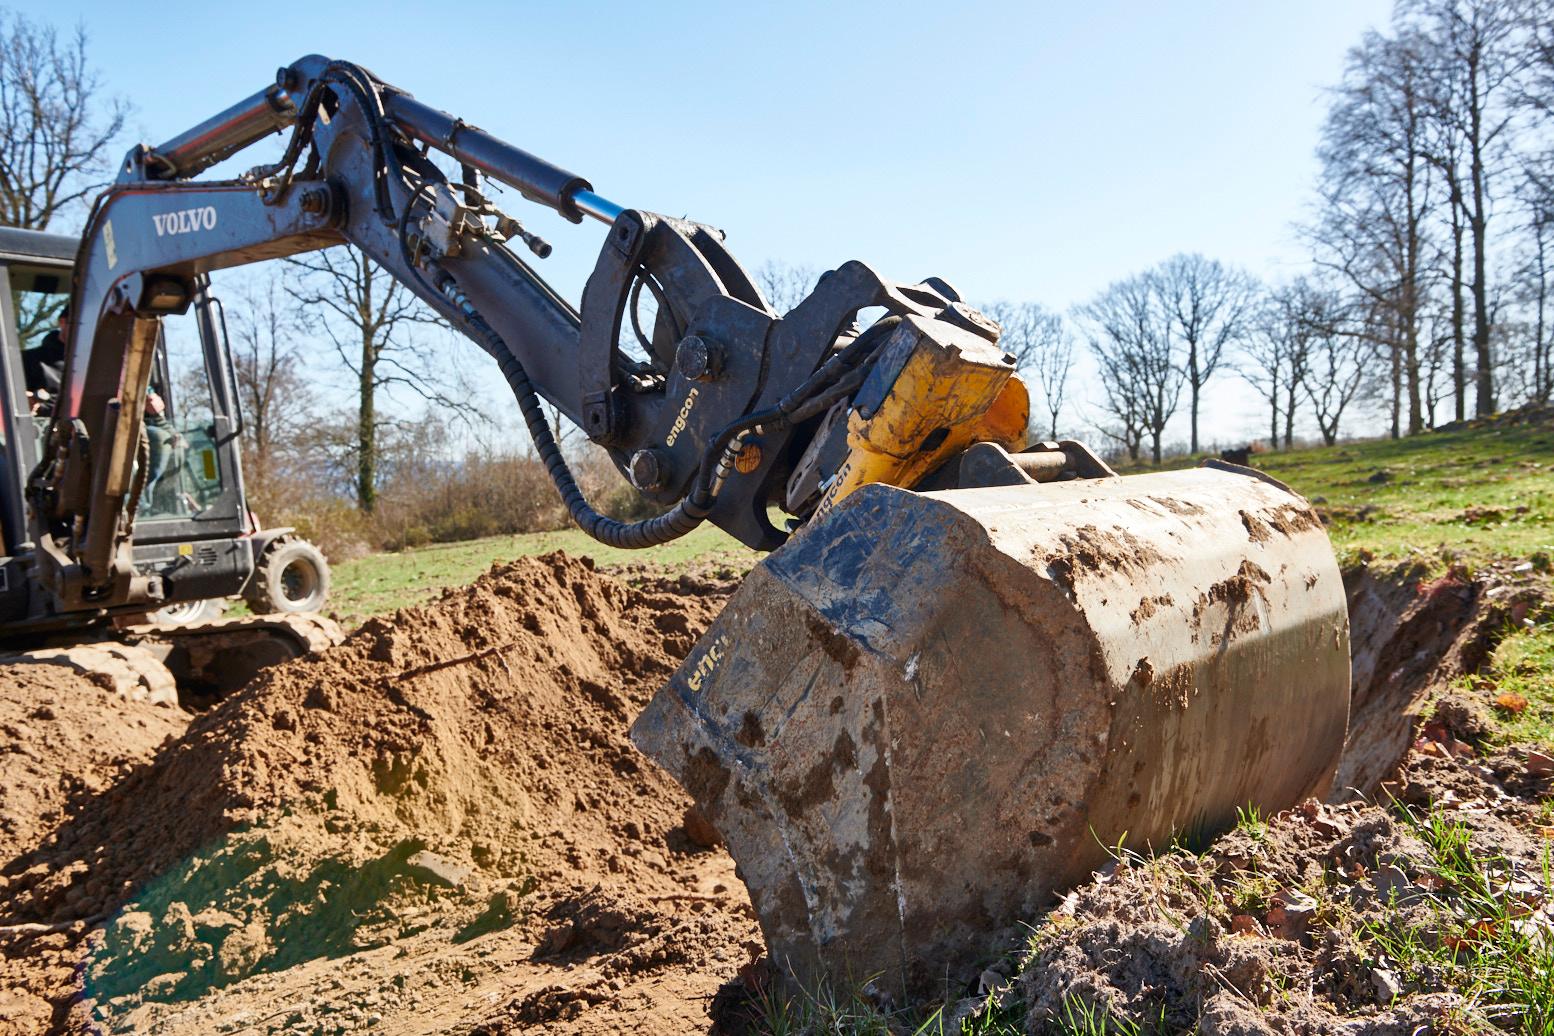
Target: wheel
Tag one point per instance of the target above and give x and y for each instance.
(291, 576)
(187, 613)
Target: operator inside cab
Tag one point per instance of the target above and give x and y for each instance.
(43, 367)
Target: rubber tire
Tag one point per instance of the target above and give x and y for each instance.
(273, 588)
(188, 613)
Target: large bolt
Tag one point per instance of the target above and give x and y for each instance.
(697, 359)
(647, 470)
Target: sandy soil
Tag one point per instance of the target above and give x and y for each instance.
(439, 826)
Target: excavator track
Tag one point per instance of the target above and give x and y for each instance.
(191, 664)
(131, 672)
(209, 659)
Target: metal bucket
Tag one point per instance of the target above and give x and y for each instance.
(930, 712)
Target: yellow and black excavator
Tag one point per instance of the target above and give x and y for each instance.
(970, 663)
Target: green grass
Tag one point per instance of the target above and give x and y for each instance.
(1521, 683)
(1470, 495)
(1477, 493)
(844, 1008)
(383, 582)
(1478, 943)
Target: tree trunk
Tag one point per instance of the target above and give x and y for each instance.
(366, 433)
(1409, 317)
(1155, 444)
(1194, 384)
(1459, 363)
(1397, 392)
(1484, 382)
(1541, 375)
(1289, 415)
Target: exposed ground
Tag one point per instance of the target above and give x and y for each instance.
(441, 827)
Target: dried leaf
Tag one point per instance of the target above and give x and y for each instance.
(1243, 924)
(1511, 702)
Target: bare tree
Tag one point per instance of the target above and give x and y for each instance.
(1131, 340)
(276, 396)
(55, 126)
(1537, 275)
(1210, 306)
(1377, 196)
(1275, 356)
(1479, 52)
(1042, 346)
(784, 284)
(55, 133)
(370, 318)
(1339, 348)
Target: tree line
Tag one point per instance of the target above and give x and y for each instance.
(1431, 236)
(1425, 300)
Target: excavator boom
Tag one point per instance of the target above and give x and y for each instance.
(976, 657)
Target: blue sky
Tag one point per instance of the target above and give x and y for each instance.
(1022, 151)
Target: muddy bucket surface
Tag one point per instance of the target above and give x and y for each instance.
(928, 713)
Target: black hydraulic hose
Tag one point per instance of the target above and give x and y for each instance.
(681, 519)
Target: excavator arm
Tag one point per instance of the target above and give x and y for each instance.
(717, 408)
(975, 665)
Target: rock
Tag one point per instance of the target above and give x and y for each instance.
(1540, 764)
(436, 870)
(700, 830)
(1388, 988)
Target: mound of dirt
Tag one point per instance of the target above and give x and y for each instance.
(454, 785)
(64, 738)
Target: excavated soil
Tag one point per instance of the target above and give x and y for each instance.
(64, 739)
(1299, 924)
(442, 827)
(439, 826)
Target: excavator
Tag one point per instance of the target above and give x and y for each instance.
(194, 525)
(971, 665)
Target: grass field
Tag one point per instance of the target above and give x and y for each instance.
(1476, 493)
(383, 582)
(1469, 495)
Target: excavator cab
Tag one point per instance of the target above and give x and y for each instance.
(193, 525)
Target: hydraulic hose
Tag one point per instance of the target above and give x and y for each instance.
(681, 519)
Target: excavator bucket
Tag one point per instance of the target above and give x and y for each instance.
(930, 712)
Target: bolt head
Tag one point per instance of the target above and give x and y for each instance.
(698, 359)
(647, 470)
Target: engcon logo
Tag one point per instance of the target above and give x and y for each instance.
(707, 663)
(680, 419)
(185, 221)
